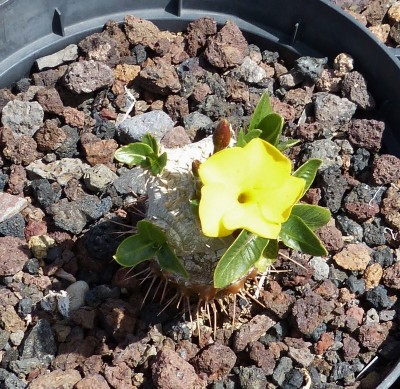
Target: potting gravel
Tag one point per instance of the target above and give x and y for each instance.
(71, 318)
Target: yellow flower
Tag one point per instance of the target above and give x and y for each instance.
(247, 188)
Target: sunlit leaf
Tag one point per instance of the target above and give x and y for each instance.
(134, 250)
(168, 261)
(157, 163)
(149, 140)
(313, 215)
(151, 232)
(308, 171)
(262, 110)
(287, 144)
(296, 235)
(269, 256)
(133, 154)
(238, 260)
(271, 127)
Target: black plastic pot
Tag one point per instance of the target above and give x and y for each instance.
(31, 29)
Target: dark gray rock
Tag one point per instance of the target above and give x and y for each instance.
(270, 57)
(374, 233)
(293, 380)
(9, 380)
(355, 285)
(14, 226)
(378, 298)
(130, 181)
(316, 334)
(43, 192)
(25, 306)
(350, 227)
(284, 366)
(359, 161)
(139, 54)
(197, 121)
(337, 276)
(68, 217)
(354, 87)
(69, 147)
(324, 149)
(105, 129)
(95, 296)
(32, 266)
(383, 256)
(40, 342)
(4, 336)
(310, 67)
(25, 366)
(340, 371)
(93, 207)
(252, 377)
(3, 181)
(333, 187)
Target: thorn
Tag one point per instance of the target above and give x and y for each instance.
(171, 300)
(234, 311)
(163, 292)
(291, 259)
(148, 290)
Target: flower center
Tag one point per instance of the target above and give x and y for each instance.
(244, 197)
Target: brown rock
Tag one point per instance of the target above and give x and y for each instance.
(5, 97)
(50, 100)
(372, 335)
(173, 45)
(310, 312)
(13, 254)
(98, 151)
(65, 379)
(251, 331)
(119, 376)
(118, 318)
(237, 90)
(7, 297)
(92, 381)
(9, 319)
(283, 109)
(73, 190)
(280, 303)
(132, 355)
(50, 137)
(354, 318)
(35, 228)
(74, 117)
(327, 289)
(19, 150)
(48, 78)
(176, 107)
(298, 98)
(394, 32)
(381, 31)
(361, 211)
(386, 169)
(200, 93)
(41, 283)
(141, 31)
(216, 361)
(159, 76)
(296, 275)
(328, 82)
(84, 317)
(373, 275)
(93, 365)
(308, 131)
(264, 358)
(227, 48)
(17, 180)
(394, 12)
(351, 348)
(100, 47)
(331, 237)
(366, 133)
(327, 339)
(391, 207)
(354, 256)
(175, 137)
(197, 33)
(170, 371)
(114, 31)
(126, 73)
(354, 88)
(391, 276)
(10, 205)
(375, 11)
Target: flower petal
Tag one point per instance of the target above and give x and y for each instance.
(216, 201)
(249, 217)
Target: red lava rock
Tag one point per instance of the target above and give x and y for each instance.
(264, 358)
(9, 319)
(170, 371)
(93, 365)
(197, 33)
(227, 48)
(372, 335)
(351, 348)
(354, 318)
(10, 205)
(35, 228)
(327, 339)
(42, 283)
(19, 150)
(98, 151)
(187, 350)
(366, 133)
(74, 353)
(114, 31)
(313, 196)
(16, 180)
(74, 117)
(158, 75)
(5, 97)
(296, 275)
(176, 106)
(50, 77)
(298, 98)
(237, 90)
(141, 31)
(100, 47)
(50, 137)
(14, 253)
(280, 303)
(310, 311)
(354, 256)
(172, 45)
(308, 131)
(65, 379)
(361, 211)
(132, 354)
(50, 100)
(200, 93)
(283, 109)
(386, 169)
(331, 237)
(175, 137)
(118, 318)
(327, 289)
(119, 376)
(391, 207)
(96, 381)
(84, 317)
(391, 276)
(302, 355)
(251, 331)
(354, 87)
(216, 361)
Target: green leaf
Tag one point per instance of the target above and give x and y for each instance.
(149, 140)
(150, 232)
(313, 215)
(133, 154)
(308, 171)
(296, 235)
(262, 110)
(157, 163)
(238, 260)
(287, 144)
(168, 261)
(134, 250)
(271, 127)
(252, 134)
(269, 256)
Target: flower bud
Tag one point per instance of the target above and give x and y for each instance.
(222, 135)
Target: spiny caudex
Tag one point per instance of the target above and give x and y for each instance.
(219, 209)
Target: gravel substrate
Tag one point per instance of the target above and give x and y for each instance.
(71, 318)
